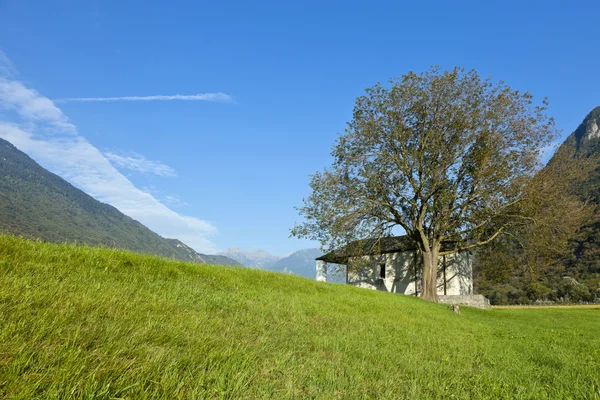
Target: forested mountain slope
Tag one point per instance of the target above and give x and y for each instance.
(574, 276)
(36, 203)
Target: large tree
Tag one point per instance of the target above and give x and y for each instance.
(447, 156)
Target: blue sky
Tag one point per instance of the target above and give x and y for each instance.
(284, 76)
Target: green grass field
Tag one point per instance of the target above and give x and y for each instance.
(78, 322)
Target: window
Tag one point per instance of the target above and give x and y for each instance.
(382, 271)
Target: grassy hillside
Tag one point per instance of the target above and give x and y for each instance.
(79, 322)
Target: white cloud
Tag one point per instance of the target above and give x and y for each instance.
(218, 97)
(63, 151)
(139, 163)
(32, 107)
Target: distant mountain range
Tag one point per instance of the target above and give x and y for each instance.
(36, 203)
(251, 258)
(301, 262)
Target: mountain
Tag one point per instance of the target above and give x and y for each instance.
(254, 258)
(586, 136)
(185, 250)
(575, 276)
(39, 204)
(301, 262)
(584, 262)
(586, 140)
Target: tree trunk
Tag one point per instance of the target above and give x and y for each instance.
(429, 280)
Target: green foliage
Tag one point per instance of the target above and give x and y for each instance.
(540, 266)
(571, 290)
(81, 322)
(583, 262)
(538, 291)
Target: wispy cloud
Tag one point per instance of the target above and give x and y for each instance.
(139, 163)
(7, 69)
(36, 126)
(175, 201)
(217, 97)
(170, 200)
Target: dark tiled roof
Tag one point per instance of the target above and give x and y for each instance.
(391, 244)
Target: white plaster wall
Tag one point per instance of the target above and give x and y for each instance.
(459, 274)
(321, 271)
(400, 273)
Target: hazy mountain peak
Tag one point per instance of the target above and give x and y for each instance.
(301, 262)
(255, 258)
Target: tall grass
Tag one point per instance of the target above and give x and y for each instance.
(79, 322)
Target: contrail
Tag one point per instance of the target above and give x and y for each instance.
(218, 97)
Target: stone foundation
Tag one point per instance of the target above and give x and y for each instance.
(471, 300)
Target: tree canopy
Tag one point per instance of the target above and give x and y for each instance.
(444, 155)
